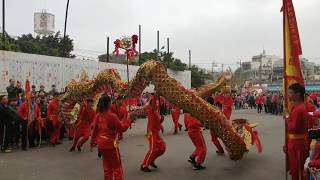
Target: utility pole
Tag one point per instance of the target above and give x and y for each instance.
(108, 55)
(65, 30)
(222, 67)
(158, 45)
(240, 75)
(260, 71)
(271, 79)
(139, 60)
(212, 69)
(3, 24)
(189, 58)
(168, 52)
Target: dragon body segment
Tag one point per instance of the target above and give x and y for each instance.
(155, 73)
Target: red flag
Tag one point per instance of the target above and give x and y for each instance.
(28, 100)
(292, 50)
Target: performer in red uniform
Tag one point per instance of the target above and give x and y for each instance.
(83, 126)
(120, 109)
(175, 114)
(227, 109)
(105, 135)
(297, 122)
(227, 105)
(195, 134)
(157, 146)
(29, 122)
(53, 115)
(259, 102)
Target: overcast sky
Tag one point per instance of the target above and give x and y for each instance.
(223, 31)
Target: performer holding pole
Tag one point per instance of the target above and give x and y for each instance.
(296, 122)
(195, 133)
(105, 133)
(53, 115)
(157, 146)
(83, 126)
(175, 114)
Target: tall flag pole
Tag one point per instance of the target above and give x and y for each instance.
(292, 50)
(28, 101)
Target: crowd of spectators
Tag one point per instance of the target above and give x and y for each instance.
(15, 130)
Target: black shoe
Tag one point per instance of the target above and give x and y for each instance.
(186, 129)
(145, 169)
(59, 142)
(198, 167)
(79, 148)
(180, 127)
(99, 154)
(71, 149)
(175, 131)
(192, 160)
(220, 153)
(52, 144)
(153, 165)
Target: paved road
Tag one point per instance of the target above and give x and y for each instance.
(57, 163)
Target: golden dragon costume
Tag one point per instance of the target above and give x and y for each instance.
(236, 136)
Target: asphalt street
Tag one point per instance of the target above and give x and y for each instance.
(51, 163)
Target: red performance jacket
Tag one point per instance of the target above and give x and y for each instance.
(23, 114)
(120, 111)
(153, 114)
(107, 126)
(86, 116)
(192, 123)
(53, 110)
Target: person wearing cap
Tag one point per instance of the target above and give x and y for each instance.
(83, 125)
(297, 129)
(53, 116)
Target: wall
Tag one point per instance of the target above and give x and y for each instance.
(48, 70)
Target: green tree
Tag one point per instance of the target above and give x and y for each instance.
(9, 43)
(167, 58)
(198, 76)
(51, 45)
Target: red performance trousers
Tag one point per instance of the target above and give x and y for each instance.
(216, 142)
(200, 144)
(175, 118)
(157, 147)
(81, 136)
(55, 135)
(297, 154)
(112, 167)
